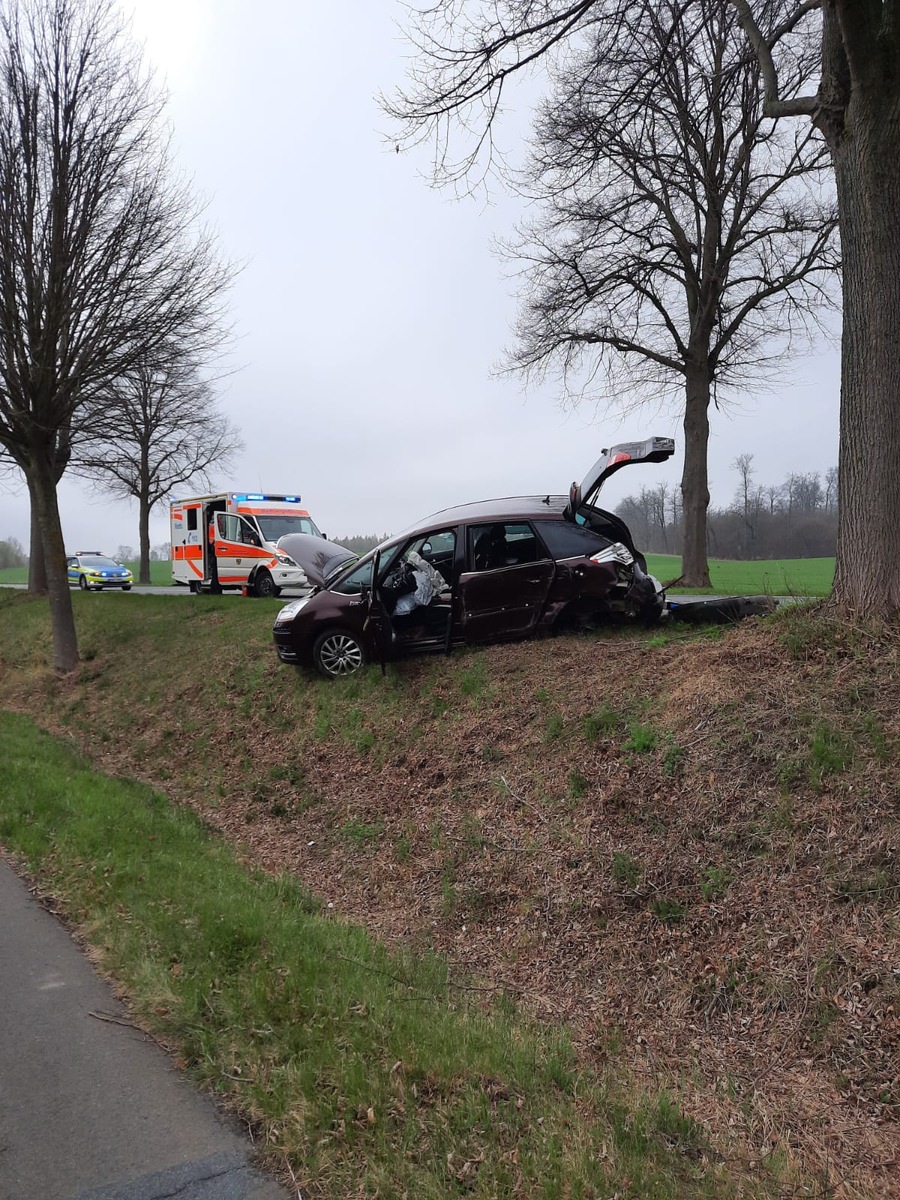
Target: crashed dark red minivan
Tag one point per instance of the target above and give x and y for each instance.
(481, 572)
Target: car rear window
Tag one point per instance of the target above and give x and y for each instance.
(565, 540)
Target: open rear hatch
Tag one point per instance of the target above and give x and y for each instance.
(654, 450)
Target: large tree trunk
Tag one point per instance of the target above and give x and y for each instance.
(695, 478)
(144, 539)
(42, 485)
(867, 170)
(37, 567)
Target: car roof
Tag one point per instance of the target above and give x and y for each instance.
(508, 508)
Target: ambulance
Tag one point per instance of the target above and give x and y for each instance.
(230, 541)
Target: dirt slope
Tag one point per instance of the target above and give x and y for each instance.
(688, 849)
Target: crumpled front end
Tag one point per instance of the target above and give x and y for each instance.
(646, 598)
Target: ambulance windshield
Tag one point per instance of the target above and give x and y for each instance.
(275, 527)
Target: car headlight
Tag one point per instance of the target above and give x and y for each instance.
(287, 614)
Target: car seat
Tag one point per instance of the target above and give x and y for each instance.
(490, 549)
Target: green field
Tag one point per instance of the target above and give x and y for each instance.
(780, 577)
(777, 577)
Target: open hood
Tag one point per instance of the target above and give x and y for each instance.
(654, 450)
(320, 559)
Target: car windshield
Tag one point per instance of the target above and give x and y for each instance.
(274, 528)
(96, 560)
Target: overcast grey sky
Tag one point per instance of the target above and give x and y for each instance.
(371, 309)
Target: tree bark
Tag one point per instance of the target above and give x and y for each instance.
(42, 483)
(695, 478)
(867, 169)
(144, 538)
(37, 568)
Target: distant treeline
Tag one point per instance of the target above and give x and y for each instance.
(794, 519)
(362, 542)
(12, 554)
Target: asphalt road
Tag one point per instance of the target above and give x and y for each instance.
(90, 1109)
(289, 594)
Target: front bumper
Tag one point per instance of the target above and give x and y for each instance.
(284, 644)
(289, 577)
(108, 583)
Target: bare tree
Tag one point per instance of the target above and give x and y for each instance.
(660, 494)
(157, 428)
(101, 258)
(467, 54)
(677, 225)
(744, 500)
(12, 553)
(831, 489)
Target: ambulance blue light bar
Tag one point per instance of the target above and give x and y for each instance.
(238, 496)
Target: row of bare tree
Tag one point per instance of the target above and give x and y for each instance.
(12, 553)
(111, 290)
(794, 519)
(686, 232)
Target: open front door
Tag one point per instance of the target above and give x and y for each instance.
(377, 628)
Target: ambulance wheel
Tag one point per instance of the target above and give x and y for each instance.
(338, 653)
(264, 585)
(194, 587)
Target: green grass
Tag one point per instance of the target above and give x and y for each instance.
(160, 573)
(777, 577)
(364, 1069)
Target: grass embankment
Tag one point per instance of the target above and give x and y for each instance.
(366, 1070)
(679, 846)
(784, 577)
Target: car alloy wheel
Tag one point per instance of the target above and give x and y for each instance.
(337, 654)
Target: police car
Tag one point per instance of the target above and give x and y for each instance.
(92, 571)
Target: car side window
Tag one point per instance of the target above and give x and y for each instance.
(492, 547)
(71, 562)
(566, 540)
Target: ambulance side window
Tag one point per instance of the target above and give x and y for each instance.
(192, 518)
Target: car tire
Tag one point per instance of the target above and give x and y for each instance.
(83, 583)
(126, 587)
(338, 653)
(264, 585)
